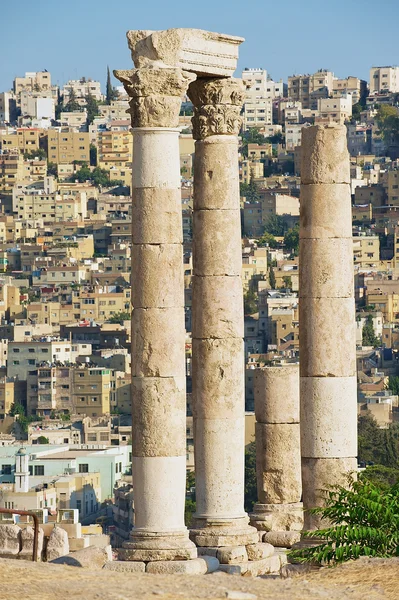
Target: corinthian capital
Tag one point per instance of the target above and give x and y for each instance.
(155, 95)
(217, 106)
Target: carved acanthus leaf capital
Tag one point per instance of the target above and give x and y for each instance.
(217, 106)
(155, 95)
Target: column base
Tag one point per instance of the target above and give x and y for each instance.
(151, 546)
(277, 517)
(219, 533)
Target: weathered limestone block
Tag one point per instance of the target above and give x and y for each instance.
(158, 339)
(278, 463)
(216, 242)
(58, 544)
(223, 533)
(328, 417)
(325, 212)
(167, 289)
(155, 401)
(323, 322)
(202, 52)
(156, 216)
(155, 147)
(254, 568)
(216, 174)
(197, 566)
(10, 540)
(27, 535)
(89, 558)
(259, 551)
(227, 556)
(318, 475)
(223, 477)
(276, 392)
(282, 539)
(326, 268)
(218, 365)
(324, 154)
(218, 307)
(278, 517)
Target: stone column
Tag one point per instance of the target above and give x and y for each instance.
(327, 339)
(158, 334)
(278, 450)
(217, 313)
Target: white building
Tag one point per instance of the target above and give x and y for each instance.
(293, 135)
(37, 106)
(7, 107)
(384, 79)
(259, 94)
(336, 110)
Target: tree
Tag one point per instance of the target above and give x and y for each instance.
(368, 335)
(250, 190)
(387, 118)
(250, 302)
(72, 105)
(120, 317)
(52, 169)
(39, 153)
(276, 225)
(16, 409)
(111, 93)
(287, 281)
(252, 136)
(93, 155)
(291, 240)
(250, 492)
(272, 279)
(381, 476)
(43, 440)
(267, 239)
(393, 384)
(364, 522)
(356, 110)
(92, 108)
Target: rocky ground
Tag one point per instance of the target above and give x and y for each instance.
(20, 580)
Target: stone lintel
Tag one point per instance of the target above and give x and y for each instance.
(204, 53)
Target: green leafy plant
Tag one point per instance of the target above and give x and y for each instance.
(364, 522)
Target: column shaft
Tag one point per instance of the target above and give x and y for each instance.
(158, 334)
(278, 450)
(327, 317)
(217, 311)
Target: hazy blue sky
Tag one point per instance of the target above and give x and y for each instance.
(80, 37)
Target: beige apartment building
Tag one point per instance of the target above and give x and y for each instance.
(366, 251)
(68, 146)
(91, 389)
(384, 79)
(351, 85)
(80, 491)
(12, 170)
(307, 89)
(33, 81)
(335, 110)
(115, 149)
(82, 88)
(100, 306)
(23, 139)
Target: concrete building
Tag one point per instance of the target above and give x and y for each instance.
(384, 79)
(33, 81)
(91, 389)
(351, 85)
(68, 146)
(334, 110)
(307, 89)
(8, 108)
(82, 88)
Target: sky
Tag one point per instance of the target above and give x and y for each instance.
(79, 38)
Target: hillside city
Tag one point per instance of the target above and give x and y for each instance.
(65, 274)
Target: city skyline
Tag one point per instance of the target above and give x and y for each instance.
(277, 46)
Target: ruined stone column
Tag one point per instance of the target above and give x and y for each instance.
(218, 320)
(158, 334)
(278, 450)
(327, 316)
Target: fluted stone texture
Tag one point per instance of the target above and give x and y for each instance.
(327, 316)
(278, 452)
(217, 313)
(158, 333)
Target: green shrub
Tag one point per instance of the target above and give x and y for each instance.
(364, 522)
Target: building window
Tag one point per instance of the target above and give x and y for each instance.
(39, 469)
(6, 469)
(83, 468)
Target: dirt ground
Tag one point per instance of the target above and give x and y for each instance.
(367, 578)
